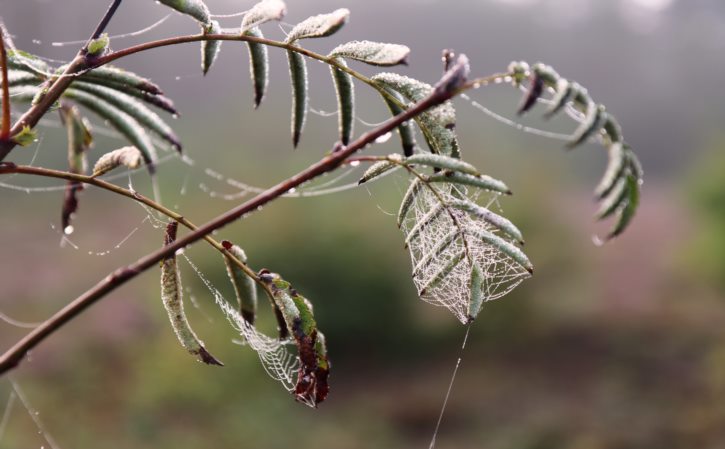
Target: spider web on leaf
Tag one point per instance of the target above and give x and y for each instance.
(436, 281)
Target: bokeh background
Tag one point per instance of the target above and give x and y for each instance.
(620, 346)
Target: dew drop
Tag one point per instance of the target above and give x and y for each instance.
(384, 138)
(37, 42)
(174, 116)
(292, 190)
(177, 78)
(68, 230)
(354, 163)
(476, 85)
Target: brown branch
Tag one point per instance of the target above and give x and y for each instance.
(14, 355)
(5, 130)
(103, 23)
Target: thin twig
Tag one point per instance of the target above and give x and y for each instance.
(103, 23)
(5, 130)
(14, 355)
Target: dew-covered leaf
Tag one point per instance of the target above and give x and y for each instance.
(262, 12)
(502, 224)
(484, 182)
(405, 130)
(345, 90)
(210, 49)
(321, 25)
(379, 168)
(108, 74)
(80, 140)
(594, 119)
(129, 157)
(373, 53)
(194, 8)
(258, 66)
(440, 161)
(245, 288)
(298, 76)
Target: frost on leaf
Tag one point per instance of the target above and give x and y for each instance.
(194, 8)
(321, 25)
(263, 12)
(374, 53)
(127, 156)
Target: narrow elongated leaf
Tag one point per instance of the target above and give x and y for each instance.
(617, 163)
(377, 169)
(345, 101)
(439, 276)
(298, 75)
(505, 247)
(502, 224)
(245, 288)
(22, 78)
(405, 130)
(437, 251)
(171, 296)
(593, 121)
(134, 108)
(535, 90)
(21, 60)
(626, 213)
(157, 100)
(194, 8)
(321, 25)
(258, 66)
(121, 121)
(210, 49)
(617, 196)
(420, 225)
(79, 142)
(263, 12)
(413, 190)
(484, 182)
(373, 53)
(109, 74)
(440, 161)
(129, 156)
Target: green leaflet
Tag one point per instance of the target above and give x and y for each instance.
(476, 300)
(413, 190)
(258, 66)
(617, 163)
(483, 181)
(134, 108)
(436, 123)
(171, 296)
(113, 76)
(378, 169)
(121, 121)
(439, 276)
(594, 119)
(298, 75)
(613, 130)
(210, 49)
(263, 12)
(21, 60)
(157, 100)
(616, 197)
(437, 251)
(194, 8)
(427, 219)
(129, 156)
(535, 90)
(565, 92)
(321, 25)
(21, 78)
(373, 53)
(345, 101)
(519, 70)
(495, 220)
(503, 246)
(80, 139)
(98, 46)
(25, 137)
(626, 213)
(405, 130)
(245, 288)
(440, 161)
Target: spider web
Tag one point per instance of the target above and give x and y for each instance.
(437, 282)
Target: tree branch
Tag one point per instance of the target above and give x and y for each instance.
(14, 355)
(5, 130)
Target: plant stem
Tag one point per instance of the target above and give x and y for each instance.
(103, 23)
(14, 355)
(5, 130)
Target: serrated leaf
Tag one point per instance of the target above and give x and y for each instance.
(484, 182)
(345, 90)
(25, 137)
(258, 66)
(245, 288)
(378, 169)
(99, 45)
(405, 130)
(171, 297)
(263, 12)
(440, 161)
(210, 49)
(134, 108)
(298, 76)
(373, 53)
(505, 247)
(321, 25)
(129, 157)
(121, 121)
(193, 8)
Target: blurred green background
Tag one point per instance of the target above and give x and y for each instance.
(621, 346)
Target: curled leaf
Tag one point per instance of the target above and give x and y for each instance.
(535, 90)
(298, 75)
(171, 296)
(565, 92)
(617, 163)
(373, 53)
(194, 8)
(626, 213)
(345, 101)
(263, 12)
(25, 137)
(245, 288)
(127, 156)
(258, 66)
(210, 49)
(594, 119)
(321, 25)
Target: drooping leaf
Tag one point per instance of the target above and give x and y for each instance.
(617, 163)
(594, 119)
(345, 101)
(321, 25)
(440, 161)
(627, 211)
(210, 49)
(505, 247)
(22, 78)
(121, 121)
(79, 137)
(373, 53)
(245, 288)
(108, 74)
(298, 75)
(129, 157)
(134, 108)
(171, 296)
(414, 189)
(262, 12)
(258, 66)
(565, 92)
(194, 8)
(405, 130)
